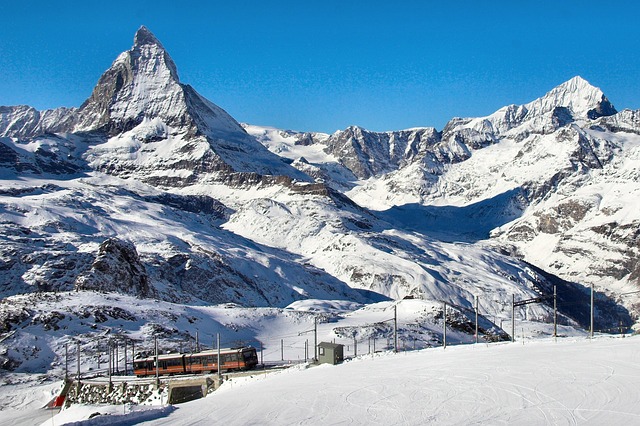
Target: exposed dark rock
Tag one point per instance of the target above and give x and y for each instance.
(117, 268)
(192, 203)
(604, 108)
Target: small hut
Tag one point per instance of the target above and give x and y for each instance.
(330, 353)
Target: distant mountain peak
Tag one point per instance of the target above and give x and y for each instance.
(578, 83)
(144, 36)
(141, 82)
(578, 95)
(148, 49)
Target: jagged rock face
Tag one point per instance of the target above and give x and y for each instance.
(578, 96)
(24, 121)
(141, 122)
(626, 121)
(117, 268)
(570, 101)
(142, 82)
(369, 154)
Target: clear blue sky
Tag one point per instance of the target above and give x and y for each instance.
(324, 65)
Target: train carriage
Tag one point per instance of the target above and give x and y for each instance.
(244, 358)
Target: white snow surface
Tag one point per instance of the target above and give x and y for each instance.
(568, 381)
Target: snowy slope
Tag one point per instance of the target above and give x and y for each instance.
(149, 210)
(52, 233)
(546, 382)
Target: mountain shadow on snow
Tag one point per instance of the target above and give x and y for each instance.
(470, 223)
(574, 301)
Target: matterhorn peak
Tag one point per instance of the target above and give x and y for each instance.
(141, 82)
(578, 96)
(144, 36)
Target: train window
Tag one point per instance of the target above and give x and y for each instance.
(250, 355)
(174, 362)
(229, 358)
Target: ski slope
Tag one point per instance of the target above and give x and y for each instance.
(571, 381)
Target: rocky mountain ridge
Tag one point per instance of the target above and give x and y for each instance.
(540, 172)
(150, 190)
(141, 122)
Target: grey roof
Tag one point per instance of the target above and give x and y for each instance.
(330, 345)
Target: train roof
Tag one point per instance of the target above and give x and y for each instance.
(209, 352)
(222, 351)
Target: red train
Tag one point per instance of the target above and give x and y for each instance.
(202, 362)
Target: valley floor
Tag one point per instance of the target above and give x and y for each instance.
(568, 381)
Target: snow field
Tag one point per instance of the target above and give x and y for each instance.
(568, 381)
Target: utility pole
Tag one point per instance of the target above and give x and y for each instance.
(282, 349)
(116, 359)
(109, 362)
(78, 358)
(155, 340)
(66, 361)
(555, 312)
(444, 327)
(513, 318)
(315, 339)
(125, 356)
(591, 329)
(197, 342)
(476, 319)
(395, 328)
(355, 345)
(218, 346)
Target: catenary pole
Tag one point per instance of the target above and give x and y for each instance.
(395, 328)
(315, 339)
(218, 346)
(513, 318)
(476, 319)
(125, 356)
(78, 360)
(555, 312)
(355, 345)
(591, 327)
(155, 340)
(444, 327)
(110, 362)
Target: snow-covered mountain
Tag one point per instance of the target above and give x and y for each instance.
(552, 181)
(141, 122)
(149, 191)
